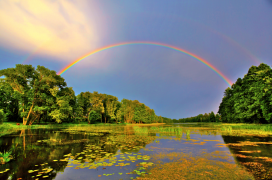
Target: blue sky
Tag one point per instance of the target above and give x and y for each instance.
(229, 34)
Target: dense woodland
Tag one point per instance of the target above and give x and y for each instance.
(39, 95)
(249, 100)
(211, 117)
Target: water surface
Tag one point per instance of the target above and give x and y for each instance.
(128, 152)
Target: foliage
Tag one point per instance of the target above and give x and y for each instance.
(93, 116)
(2, 116)
(40, 92)
(8, 101)
(211, 117)
(35, 95)
(249, 99)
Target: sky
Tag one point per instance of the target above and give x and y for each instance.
(225, 37)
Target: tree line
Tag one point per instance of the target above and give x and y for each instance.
(31, 95)
(211, 117)
(248, 100)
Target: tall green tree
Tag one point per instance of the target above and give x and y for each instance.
(97, 103)
(2, 116)
(262, 94)
(63, 109)
(137, 113)
(93, 116)
(248, 100)
(212, 117)
(110, 107)
(226, 108)
(36, 91)
(217, 118)
(8, 102)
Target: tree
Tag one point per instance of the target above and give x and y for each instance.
(97, 103)
(2, 116)
(212, 117)
(110, 107)
(83, 105)
(36, 91)
(118, 112)
(63, 109)
(93, 116)
(248, 100)
(145, 114)
(262, 93)
(217, 118)
(137, 113)
(127, 110)
(8, 102)
(226, 108)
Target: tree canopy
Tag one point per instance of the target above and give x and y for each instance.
(30, 95)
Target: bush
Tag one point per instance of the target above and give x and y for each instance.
(2, 116)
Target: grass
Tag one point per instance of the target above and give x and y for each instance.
(152, 124)
(243, 128)
(10, 127)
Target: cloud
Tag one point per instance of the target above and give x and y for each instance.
(60, 29)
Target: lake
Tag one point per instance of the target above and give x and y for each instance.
(178, 151)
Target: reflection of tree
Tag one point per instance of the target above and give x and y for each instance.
(29, 153)
(252, 161)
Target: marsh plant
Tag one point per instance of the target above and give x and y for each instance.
(188, 134)
(140, 130)
(226, 128)
(5, 157)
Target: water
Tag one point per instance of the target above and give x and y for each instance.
(129, 152)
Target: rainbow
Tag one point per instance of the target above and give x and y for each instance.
(149, 43)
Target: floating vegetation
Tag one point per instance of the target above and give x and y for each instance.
(108, 148)
(61, 142)
(247, 143)
(185, 166)
(6, 170)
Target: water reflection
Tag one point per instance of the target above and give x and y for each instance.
(123, 152)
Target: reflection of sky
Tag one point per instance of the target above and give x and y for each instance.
(71, 173)
(194, 149)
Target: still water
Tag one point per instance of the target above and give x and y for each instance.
(184, 151)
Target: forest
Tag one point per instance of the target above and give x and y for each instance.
(38, 95)
(248, 100)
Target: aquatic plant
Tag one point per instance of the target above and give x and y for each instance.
(5, 157)
(226, 128)
(186, 166)
(140, 130)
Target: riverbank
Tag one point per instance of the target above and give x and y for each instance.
(244, 129)
(10, 127)
(152, 124)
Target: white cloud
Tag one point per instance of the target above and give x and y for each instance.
(60, 29)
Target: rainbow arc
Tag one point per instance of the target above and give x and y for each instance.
(194, 56)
